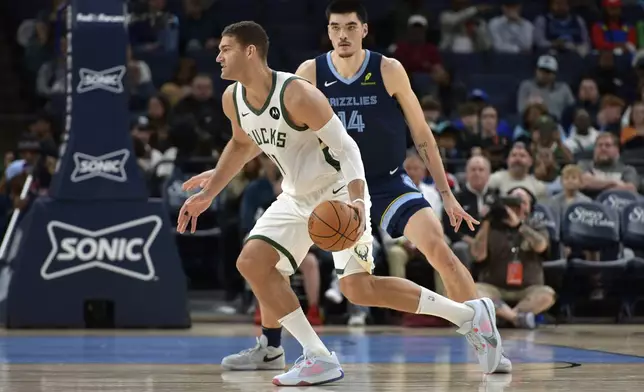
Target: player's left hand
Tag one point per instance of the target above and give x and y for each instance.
(359, 207)
(457, 214)
(194, 206)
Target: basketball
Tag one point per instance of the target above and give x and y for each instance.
(333, 226)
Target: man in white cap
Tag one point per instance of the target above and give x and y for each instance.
(544, 88)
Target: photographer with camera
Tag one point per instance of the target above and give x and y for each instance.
(511, 249)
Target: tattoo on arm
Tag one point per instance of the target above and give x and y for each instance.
(422, 151)
(534, 238)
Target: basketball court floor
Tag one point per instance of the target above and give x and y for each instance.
(564, 358)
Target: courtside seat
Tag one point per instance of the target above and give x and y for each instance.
(617, 199)
(632, 228)
(594, 227)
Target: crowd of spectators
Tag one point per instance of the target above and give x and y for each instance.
(562, 141)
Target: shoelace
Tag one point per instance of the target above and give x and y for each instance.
(474, 341)
(252, 349)
(301, 362)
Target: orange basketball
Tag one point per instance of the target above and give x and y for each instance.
(333, 226)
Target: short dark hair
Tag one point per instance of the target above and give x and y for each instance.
(347, 7)
(249, 33)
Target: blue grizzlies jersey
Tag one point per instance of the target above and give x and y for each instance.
(370, 115)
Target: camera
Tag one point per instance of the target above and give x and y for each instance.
(497, 203)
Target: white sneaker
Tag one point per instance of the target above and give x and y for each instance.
(482, 334)
(357, 320)
(260, 357)
(311, 370)
(505, 366)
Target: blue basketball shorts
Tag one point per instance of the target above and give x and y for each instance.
(394, 200)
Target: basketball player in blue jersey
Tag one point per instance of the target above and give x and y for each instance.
(365, 88)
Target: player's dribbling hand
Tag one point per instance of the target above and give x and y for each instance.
(194, 206)
(359, 207)
(198, 181)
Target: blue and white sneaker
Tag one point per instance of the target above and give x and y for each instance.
(482, 334)
(312, 370)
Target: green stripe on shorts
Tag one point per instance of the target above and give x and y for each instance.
(277, 247)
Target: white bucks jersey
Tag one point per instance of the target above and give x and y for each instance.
(305, 162)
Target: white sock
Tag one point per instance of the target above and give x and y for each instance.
(297, 324)
(436, 305)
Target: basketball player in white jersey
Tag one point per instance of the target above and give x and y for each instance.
(292, 122)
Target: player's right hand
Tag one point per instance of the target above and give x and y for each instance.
(198, 181)
(194, 206)
(359, 208)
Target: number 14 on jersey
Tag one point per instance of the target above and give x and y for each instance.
(355, 121)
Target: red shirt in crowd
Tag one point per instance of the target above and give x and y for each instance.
(417, 58)
(612, 35)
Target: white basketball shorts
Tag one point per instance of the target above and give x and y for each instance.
(284, 225)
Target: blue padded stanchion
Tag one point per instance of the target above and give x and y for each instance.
(96, 241)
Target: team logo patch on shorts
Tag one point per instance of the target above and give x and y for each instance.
(362, 251)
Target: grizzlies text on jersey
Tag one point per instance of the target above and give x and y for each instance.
(375, 121)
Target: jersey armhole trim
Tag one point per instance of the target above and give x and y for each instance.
(235, 102)
(284, 112)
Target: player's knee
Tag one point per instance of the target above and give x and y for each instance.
(245, 265)
(359, 289)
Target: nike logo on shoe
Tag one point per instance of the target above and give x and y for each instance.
(488, 329)
(327, 84)
(335, 191)
(271, 359)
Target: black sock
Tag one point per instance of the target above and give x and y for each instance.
(273, 335)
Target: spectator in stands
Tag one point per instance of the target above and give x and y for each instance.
(39, 49)
(546, 169)
(206, 111)
(493, 146)
(582, 134)
(571, 181)
(147, 156)
(158, 112)
(520, 163)
(432, 110)
(481, 99)
(613, 33)
(468, 124)
(611, 80)
(154, 30)
(610, 114)
(529, 117)
(555, 95)
(418, 55)
(510, 32)
(626, 117)
(632, 136)
(463, 30)
(562, 30)
(198, 28)
(42, 128)
(547, 135)
(587, 98)
(50, 83)
(513, 249)
(448, 138)
(471, 197)
(140, 86)
(181, 84)
(606, 171)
